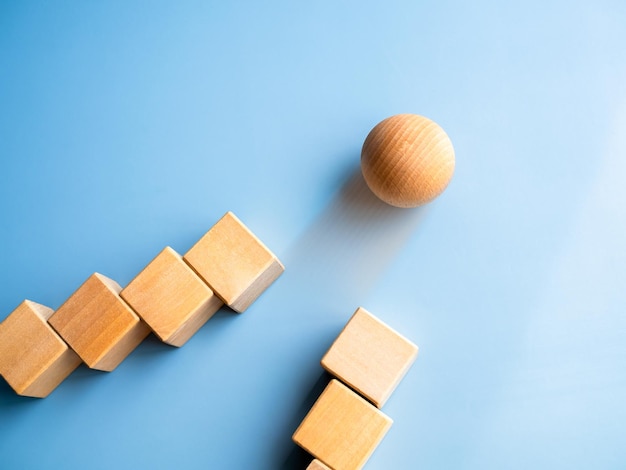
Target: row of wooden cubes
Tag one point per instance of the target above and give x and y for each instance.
(101, 323)
(345, 425)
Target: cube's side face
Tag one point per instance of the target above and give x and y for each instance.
(317, 465)
(94, 319)
(33, 359)
(262, 282)
(167, 294)
(342, 429)
(122, 347)
(53, 375)
(370, 357)
(195, 322)
(231, 259)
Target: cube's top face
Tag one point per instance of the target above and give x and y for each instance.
(28, 345)
(370, 357)
(166, 293)
(229, 257)
(94, 318)
(342, 429)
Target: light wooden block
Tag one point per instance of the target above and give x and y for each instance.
(34, 360)
(172, 300)
(370, 357)
(98, 324)
(317, 465)
(234, 262)
(342, 429)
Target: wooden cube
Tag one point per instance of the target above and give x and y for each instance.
(342, 429)
(317, 465)
(171, 298)
(370, 357)
(234, 262)
(34, 360)
(98, 324)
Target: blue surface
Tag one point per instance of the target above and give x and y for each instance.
(128, 126)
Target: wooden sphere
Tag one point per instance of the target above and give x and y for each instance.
(407, 160)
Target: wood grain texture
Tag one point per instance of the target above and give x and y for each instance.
(34, 360)
(98, 324)
(407, 160)
(370, 357)
(342, 429)
(172, 300)
(317, 465)
(235, 264)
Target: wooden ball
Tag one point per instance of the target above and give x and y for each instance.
(407, 160)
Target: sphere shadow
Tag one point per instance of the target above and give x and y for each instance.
(339, 259)
(350, 245)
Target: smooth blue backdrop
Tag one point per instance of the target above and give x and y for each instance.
(128, 126)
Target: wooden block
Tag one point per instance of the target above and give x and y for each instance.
(342, 429)
(370, 357)
(98, 324)
(34, 360)
(172, 300)
(317, 465)
(234, 262)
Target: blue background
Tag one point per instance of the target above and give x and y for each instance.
(128, 126)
